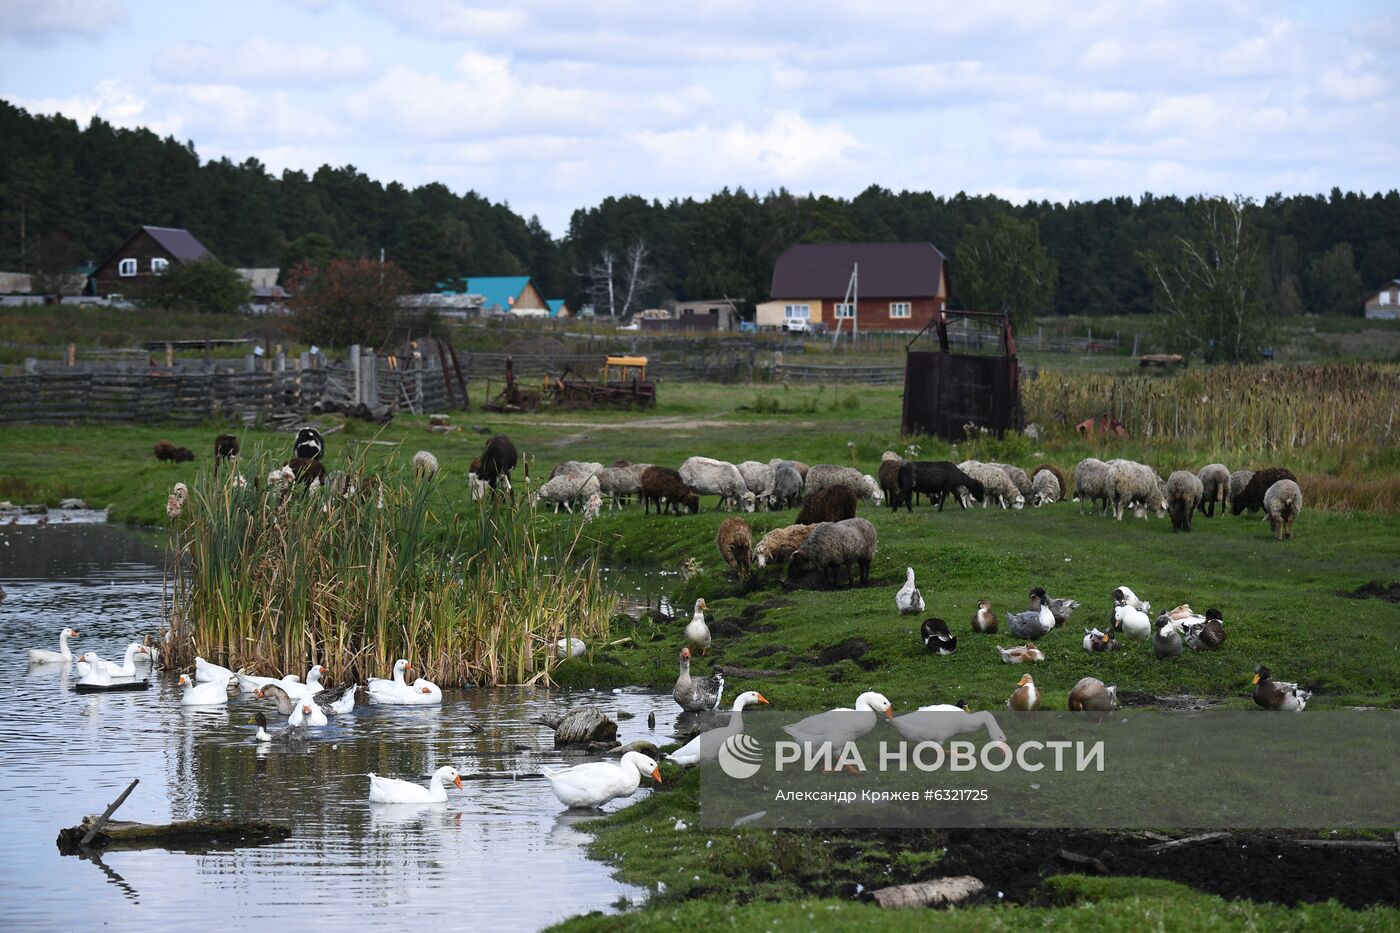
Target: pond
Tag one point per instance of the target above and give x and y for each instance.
(502, 854)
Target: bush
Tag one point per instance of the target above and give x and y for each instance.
(206, 285)
(347, 301)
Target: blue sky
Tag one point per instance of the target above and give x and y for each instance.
(553, 105)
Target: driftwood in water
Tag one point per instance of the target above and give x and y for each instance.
(939, 893)
(585, 727)
(118, 687)
(117, 834)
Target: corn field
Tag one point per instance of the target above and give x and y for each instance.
(273, 578)
(1258, 409)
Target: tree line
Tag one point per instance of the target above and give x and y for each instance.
(71, 193)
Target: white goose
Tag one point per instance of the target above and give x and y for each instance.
(839, 726)
(397, 692)
(345, 704)
(63, 655)
(594, 784)
(392, 790)
(251, 683)
(128, 666)
(306, 710)
(205, 672)
(909, 599)
(1135, 623)
(705, 746)
(697, 632)
(942, 721)
(91, 671)
(208, 694)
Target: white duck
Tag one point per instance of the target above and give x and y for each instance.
(128, 666)
(91, 671)
(594, 784)
(205, 672)
(308, 711)
(1135, 623)
(63, 655)
(842, 725)
(392, 790)
(909, 600)
(705, 746)
(1122, 596)
(941, 721)
(697, 632)
(208, 694)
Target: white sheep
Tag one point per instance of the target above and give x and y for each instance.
(822, 475)
(1045, 488)
(709, 477)
(1135, 485)
(1018, 478)
(759, 477)
(568, 488)
(996, 484)
(425, 464)
(592, 507)
(1282, 503)
(619, 483)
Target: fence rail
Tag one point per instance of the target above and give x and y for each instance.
(868, 375)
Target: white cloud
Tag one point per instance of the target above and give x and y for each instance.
(1348, 86)
(111, 100)
(451, 18)
(42, 22)
(263, 61)
(1105, 53)
(789, 150)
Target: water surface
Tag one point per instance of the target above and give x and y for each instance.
(500, 855)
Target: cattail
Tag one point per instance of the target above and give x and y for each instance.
(173, 505)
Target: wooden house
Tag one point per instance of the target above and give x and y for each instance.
(148, 252)
(899, 286)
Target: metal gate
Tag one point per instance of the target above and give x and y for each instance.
(945, 392)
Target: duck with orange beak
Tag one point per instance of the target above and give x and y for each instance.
(1025, 698)
(393, 790)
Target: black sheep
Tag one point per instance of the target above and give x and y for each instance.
(183, 455)
(1252, 497)
(832, 504)
(307, 471)
(935, 479)
(165, 451)
(664, 486)
(225, 447)
(309, 445)
(497, 460)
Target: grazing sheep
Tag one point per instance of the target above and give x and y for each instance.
(620, 482)
(1018, 477)
(306, 470)
(309, 445)
(1282, 503)
(1238, 481)
(832, 504)
(592, 507)
(1252, 496)
(1215, 488)
(165, 451)
(935, 479)
(425, 464)
(1045, 488)
(1135, 485)
(709, 477)
(1059, 477)
(567, 489)
(888, 475)
(798, 465)
(735, 543)
(1091, 485)
(836, 545)
(995, 484)
(759, 478)
(777, 545)
(586, 467)
(225, 448)
(183, 455)
(824, 475)
(664, 486)
(497, 460)
(1184, 491)
(787, 486)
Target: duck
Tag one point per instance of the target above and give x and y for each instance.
(63, 655)
(695, 694)
(128, 666)
(393, 790)
(426, 693)
(206, 672)
(705, 746)
(329, 702)
(570, 648)
(1135, 624)
(1277, 694)
(1094, 640)
(1090, 694)
(842, 725)
(307, 710)
(984, 619)
(91, 671)
(1166, 640)
(206, 694)
(941, 721)
(936, 637)
(1021, 654)
(262, 735)
(1209, 634)
(1061, 609)
(1182, 613)
(1025, 698)
(590, 785)
(697, 633)
(398, 692)
(909, 600)
(288, 736)
(1036, 622)
(339, 705)
(1122, 596)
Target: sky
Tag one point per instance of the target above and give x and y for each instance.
(553, 105)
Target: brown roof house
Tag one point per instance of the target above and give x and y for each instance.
(148, 252)
(900, 286)
(1384, 305)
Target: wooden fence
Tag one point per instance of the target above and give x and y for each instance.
(866, 375)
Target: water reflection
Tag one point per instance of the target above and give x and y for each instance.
(499, 855)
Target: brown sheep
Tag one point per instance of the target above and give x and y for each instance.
(1252, 497)
(832, 504)
(888, 475)
(665, 487)
(165, 451)
(307, 470)
(735, 543)
(777, 545)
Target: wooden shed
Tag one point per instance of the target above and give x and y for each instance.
(945, 392)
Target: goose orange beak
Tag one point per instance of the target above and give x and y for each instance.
(889, 713)
(458, 781)
(305, 710)
(656, 774)
(256, 696)
(762, 698)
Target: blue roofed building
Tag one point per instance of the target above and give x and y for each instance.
(559, 307)
(500, 294)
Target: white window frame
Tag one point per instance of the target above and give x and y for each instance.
(797, 312)
(1385, 298)
(159, 266)
(901, 309)
(127, 267)
(845, 310)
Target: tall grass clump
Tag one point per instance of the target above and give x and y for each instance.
(369, 569)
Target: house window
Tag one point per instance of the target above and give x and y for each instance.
(1385, 298)
(126, 267)
(158, 266)
(845, 310)
(899, 309)
(797, 312)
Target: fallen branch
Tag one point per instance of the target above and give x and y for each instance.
(1083, 861)
(1187, 841)
(1344, 843)
(119, 834)
(939, 893)
(101, 821)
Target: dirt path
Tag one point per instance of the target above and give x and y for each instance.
(668, 422)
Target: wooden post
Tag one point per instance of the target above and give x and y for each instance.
(250, 363)
(72, 355)
(169, 355)
(279, 362)
(355, 369)
(107, 814)
(370, 386)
